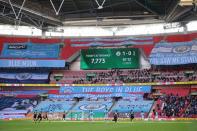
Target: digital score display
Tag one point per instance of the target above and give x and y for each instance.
(109, 58)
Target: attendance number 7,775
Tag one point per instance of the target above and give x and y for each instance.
(98, 61)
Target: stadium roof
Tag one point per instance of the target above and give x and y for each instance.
(47, 13)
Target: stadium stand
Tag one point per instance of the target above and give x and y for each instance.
(171, 103)
(122, 76)
(174, 106)
(113, 76)
(174, 103)
(101, 65)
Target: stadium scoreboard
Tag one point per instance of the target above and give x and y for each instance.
(109, 58)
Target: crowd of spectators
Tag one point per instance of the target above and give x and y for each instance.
(125, 76)
(174, 76)
(175, 106)
(192, 109)
(116, 76)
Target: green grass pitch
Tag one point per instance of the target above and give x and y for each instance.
(98, 126)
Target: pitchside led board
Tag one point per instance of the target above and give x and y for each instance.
(109, 58)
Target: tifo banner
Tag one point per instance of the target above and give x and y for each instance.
(30, 50)
(12, 113)
(110, 58)
(124, 95)
(105, 89)
(52, 96)
(174, 53)
(136, 106)
(24, 77)
(32, 92)
(14, 116)
(88, 42)
(32, 63)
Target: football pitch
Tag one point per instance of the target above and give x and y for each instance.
(98, 126)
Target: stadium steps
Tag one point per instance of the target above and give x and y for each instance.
(69, 111)
(114, 103)
(73, 57)
(184, 111)
(151, 110)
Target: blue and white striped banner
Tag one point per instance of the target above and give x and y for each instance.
(88, 42)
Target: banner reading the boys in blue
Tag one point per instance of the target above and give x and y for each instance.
(174, 53)
(30, 50)
(104, 89)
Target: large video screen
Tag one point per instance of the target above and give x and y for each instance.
(109, 58)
